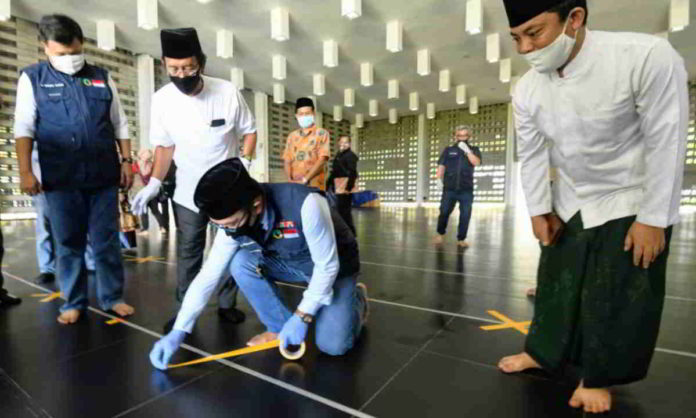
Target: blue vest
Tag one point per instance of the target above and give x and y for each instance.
(286, 240)
(459, 172)
(74, 133)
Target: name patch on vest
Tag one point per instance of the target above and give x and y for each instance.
(285, 230)
(52, 85)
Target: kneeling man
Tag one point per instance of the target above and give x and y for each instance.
(275, 232)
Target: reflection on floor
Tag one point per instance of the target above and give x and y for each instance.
(423, 353)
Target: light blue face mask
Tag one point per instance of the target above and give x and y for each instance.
(305, 121)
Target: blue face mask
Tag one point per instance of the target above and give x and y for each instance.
(305, 121)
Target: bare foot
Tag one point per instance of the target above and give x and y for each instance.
(517, 363)
(531, 292)
(463, 244)
(266, 337)
(438, 240)
(123, 309)
(596, 401)
(69, 317)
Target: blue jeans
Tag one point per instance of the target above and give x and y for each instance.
(74, 214)
(45, 253)
(450, 198)
(338, 325)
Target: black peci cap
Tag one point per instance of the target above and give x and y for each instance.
(225, 189)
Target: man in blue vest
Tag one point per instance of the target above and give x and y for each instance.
(72, 110)
(275, 232)
(456, 170)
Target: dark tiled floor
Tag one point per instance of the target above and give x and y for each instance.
(434, 361)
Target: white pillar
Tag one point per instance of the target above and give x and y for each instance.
(354, 143)
(318, 115)
(146, 88)
(511, 167)
(259, 167)
(422, 162)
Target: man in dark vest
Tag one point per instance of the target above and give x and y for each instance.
(72, 110)
(275, 232)
(344, 172)
(456, 170)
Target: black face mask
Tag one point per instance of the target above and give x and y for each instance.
(188, 84)
(243, 231)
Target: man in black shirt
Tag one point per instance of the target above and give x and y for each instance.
(344, 172)
(456, 169)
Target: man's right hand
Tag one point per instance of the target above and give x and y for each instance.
(547, 228)
(165, 348)
(29, 184)
(149, 192)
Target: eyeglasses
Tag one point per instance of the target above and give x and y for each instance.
(186, 71)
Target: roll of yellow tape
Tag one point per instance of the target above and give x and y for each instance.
(293, 355)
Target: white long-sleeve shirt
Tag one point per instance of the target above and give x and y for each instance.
(318, 230)
(614, 126)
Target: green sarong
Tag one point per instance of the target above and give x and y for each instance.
(594, 309)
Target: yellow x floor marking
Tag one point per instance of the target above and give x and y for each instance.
(142, 260)
(47, 297)
(507, 323)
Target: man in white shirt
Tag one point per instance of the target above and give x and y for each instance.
(609, 111)
(72, 111)
(276, 232)
(196, 121)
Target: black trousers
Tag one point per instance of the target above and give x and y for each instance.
(190, 244)
(161, 215)
(344, 204)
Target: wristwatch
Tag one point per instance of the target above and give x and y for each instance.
(127, 160)
(306, 318)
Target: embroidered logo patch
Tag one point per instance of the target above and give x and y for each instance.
(285, 230)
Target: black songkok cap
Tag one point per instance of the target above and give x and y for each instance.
(304, 102)
(521, 11)
(180, 43)
(225, 189)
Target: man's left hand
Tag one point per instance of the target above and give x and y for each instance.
(294, 331)
(126, 176)
(647, 243)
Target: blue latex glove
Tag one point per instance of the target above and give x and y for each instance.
(294, 331)
(165, 348)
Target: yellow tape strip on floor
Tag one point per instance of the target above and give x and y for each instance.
(261, 347)
(507, 323)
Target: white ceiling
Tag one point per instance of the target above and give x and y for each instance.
(434, 24)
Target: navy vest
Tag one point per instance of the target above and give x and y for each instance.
(286, 240)
(74, 133)
(459, 172)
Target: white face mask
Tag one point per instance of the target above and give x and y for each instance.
(305, 121)
(553, 56)
(68, 64)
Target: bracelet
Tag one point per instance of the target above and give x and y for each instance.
(127, 160)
